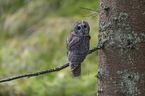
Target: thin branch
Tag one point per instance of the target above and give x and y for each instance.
(93, 15)
(99, 46)
(35, 74)
(89, 9)
(48, 70)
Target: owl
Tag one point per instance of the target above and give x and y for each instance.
(77, 46)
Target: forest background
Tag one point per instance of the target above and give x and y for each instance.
(33, 38)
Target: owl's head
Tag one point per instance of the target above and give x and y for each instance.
(81, 28)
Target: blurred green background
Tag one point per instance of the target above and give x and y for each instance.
(33, 38)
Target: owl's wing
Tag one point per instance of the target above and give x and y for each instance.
(71, 41)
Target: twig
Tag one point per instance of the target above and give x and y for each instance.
(46, 71)
(89, 9)
(93, 15)
(35, 74)
(94, 49)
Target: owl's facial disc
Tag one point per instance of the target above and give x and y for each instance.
(86, 31)
(80, 29)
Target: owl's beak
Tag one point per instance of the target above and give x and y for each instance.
(83, 32)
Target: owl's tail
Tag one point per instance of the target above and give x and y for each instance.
(76, 69)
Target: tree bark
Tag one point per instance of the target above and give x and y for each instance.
(121, 70)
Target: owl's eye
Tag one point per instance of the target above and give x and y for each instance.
(85, 26)
(78, 27)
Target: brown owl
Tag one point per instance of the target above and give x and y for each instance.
(77, 46)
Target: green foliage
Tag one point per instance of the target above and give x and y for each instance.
(33, 35)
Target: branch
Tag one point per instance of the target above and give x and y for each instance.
(99, 46)
(46, 71)
(35, 74)
(89, 9)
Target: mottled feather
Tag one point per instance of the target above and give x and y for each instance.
(77, 46)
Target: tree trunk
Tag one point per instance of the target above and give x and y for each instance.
(121, 70)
